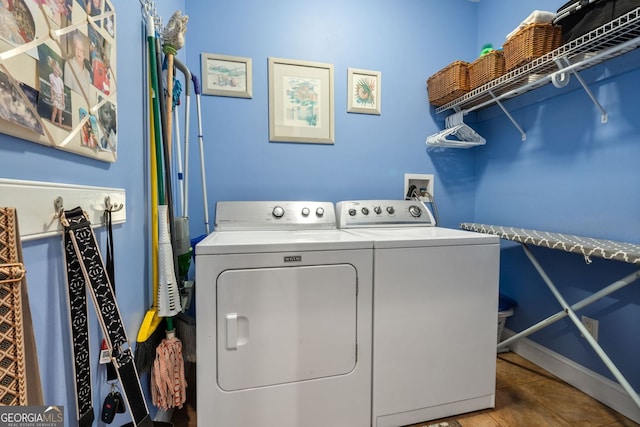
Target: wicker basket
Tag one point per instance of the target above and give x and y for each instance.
(449, 83)
(486, 68)
(529, 43)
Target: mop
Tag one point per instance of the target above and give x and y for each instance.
(196, 86)
(185, 325)
(167, 377)
(168, 294)
(181, 222)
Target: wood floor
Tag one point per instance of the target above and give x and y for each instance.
(526, 396)
(529, 396)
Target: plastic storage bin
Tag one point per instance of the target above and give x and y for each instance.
(502, 320)
(505, 310)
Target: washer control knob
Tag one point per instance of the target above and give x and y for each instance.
(365, 211)
(377, 210)
(278, 212)
(415, 211)
(305, 211)
(320, 211)
(352, 212)
(390, 210)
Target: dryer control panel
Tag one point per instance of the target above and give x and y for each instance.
(274, 215)
(383, 213)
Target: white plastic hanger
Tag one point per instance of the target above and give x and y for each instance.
(465, 136)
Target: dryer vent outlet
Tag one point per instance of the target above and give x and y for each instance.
(418, 184)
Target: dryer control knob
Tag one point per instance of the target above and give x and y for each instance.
(305, 211)
(278, 212)
(352, 212)
(390, 210)
(415, 211)
(365, 211)
(377, 210)
(320, 211)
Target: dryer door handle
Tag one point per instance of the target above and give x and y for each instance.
(232, 331)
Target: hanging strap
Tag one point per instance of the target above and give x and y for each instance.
(111, 370)
(12, 370)
(85, 270)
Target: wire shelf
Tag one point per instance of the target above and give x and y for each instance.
(614, 38)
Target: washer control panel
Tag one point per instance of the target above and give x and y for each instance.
(274, 215)
(382, 213)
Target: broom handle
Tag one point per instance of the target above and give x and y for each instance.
(153, 65)
(154, 205)
(157, 179)
(185, 170)
(169, 101)
(196, 86)
(166, 142)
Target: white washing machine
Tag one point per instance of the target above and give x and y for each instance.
(284, 310)
(435, 312)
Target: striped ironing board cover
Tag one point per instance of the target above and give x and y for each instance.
(586, 246)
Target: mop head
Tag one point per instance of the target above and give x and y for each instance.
(173, 34)
(168, 383)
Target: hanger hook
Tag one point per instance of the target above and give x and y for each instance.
(112, 207)
(59, 207)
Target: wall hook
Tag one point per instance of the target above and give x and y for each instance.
(59, 207)
(112, 207)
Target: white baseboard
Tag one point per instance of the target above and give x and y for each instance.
(595, 385)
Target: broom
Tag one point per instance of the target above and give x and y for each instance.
(150, 334)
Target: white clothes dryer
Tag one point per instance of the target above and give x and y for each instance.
(435, 312)
(283, 305)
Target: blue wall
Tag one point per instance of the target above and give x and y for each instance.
(572, 174)
(44, 259)
(406, 42)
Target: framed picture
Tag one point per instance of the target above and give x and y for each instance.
(300, 101)
(226, 75)
(363, 91)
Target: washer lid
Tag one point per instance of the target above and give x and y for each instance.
(234, 242)
(407, 237)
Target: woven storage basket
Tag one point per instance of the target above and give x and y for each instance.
(529, 43)
(486, 68)
(449, 83)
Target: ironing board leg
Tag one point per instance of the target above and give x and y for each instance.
(569, 311)
(618, 284)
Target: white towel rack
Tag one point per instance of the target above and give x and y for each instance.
(38, 204)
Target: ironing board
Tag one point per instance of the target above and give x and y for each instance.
(587, 247)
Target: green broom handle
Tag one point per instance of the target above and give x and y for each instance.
(156, 107)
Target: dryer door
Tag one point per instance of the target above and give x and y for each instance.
(280, 325)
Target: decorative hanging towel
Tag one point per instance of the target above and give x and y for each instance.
(86, 270)
(19, 371)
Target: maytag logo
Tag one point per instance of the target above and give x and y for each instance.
(32, 416)
(293, 258)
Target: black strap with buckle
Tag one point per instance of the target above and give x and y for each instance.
(85, 270)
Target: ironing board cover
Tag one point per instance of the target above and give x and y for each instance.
(586, 246)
